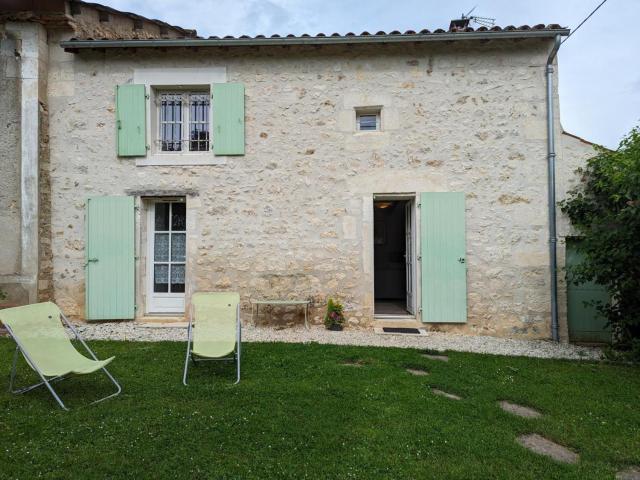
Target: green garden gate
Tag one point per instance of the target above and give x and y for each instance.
(585, 323)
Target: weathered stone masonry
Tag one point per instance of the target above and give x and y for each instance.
(291, 216)
(294, 216)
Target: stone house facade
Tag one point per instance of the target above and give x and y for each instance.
(404, 174)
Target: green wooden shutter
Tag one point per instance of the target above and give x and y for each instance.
(110, 258)
(131, 113)
(228, 118)
(443, 250)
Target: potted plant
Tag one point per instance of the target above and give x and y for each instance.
(334, 319)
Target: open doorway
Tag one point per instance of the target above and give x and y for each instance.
(393, 256)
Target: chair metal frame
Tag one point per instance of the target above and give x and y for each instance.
(196, 358)
(48, 381)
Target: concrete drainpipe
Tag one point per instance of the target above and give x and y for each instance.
(551, 164)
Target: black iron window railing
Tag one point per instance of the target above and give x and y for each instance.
(184, 122)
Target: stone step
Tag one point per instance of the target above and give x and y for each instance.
(160, 319)
(382, 323)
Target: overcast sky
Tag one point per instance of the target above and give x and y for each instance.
(599, 65)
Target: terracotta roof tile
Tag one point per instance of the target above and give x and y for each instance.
(396, 34)
(508, 28)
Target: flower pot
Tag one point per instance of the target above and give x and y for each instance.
(335, 328)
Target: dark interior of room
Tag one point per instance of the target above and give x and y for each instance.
(389, 257)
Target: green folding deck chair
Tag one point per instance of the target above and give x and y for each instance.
(216, 334)
(41, 338)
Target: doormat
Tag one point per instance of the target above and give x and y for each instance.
(414, 331)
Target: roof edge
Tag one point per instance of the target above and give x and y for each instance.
(74, 44)
(573, 135)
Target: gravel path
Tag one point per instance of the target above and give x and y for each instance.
(432, 340)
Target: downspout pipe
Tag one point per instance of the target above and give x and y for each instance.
(551, 165)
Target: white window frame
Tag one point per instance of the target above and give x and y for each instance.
(186, 121)
(369, 111)
(171, 79)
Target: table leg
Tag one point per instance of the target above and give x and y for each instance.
(257, 314)
(306, 314)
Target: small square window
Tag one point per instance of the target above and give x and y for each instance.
(368, 120)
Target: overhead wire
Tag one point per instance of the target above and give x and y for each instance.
(583, 21)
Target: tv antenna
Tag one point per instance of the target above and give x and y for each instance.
(484, 21)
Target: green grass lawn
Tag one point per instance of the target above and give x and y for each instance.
(300, 413)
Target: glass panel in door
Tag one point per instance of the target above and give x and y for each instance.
(168, 257)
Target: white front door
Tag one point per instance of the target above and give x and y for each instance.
(408, 254)
(167, 256)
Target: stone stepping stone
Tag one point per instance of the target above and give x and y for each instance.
(631, 473)
(417, 371)
(543, 446)
(519, 410)
(353, 363)
(442, 358)
(442, 393)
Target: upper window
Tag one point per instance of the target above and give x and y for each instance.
(183, 121)
(368, 120)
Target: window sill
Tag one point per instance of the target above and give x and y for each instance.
(362, 133)
(181, 159)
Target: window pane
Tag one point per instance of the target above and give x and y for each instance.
(199, 106)
(178, 217)
(176, 137)
(162, 217)
(177, 278)
(161, 278)
(161, 247)
(177, 111)
(178, 247)
(368, 122)
(170, 108)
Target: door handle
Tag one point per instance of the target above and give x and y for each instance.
(461, 260)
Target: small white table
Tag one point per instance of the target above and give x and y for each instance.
(257, 303)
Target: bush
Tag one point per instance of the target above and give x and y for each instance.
(605, 211)
(335, 314)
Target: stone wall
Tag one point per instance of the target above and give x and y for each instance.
(293, 216)
(24, 58)
(86, 24)
(9, 156)
(26, 266)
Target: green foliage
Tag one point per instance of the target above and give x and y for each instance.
(335, 314)
(3, 295)
(605, 211)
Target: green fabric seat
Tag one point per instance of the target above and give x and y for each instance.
(214, 327)
(45, 344)
(215, 318)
